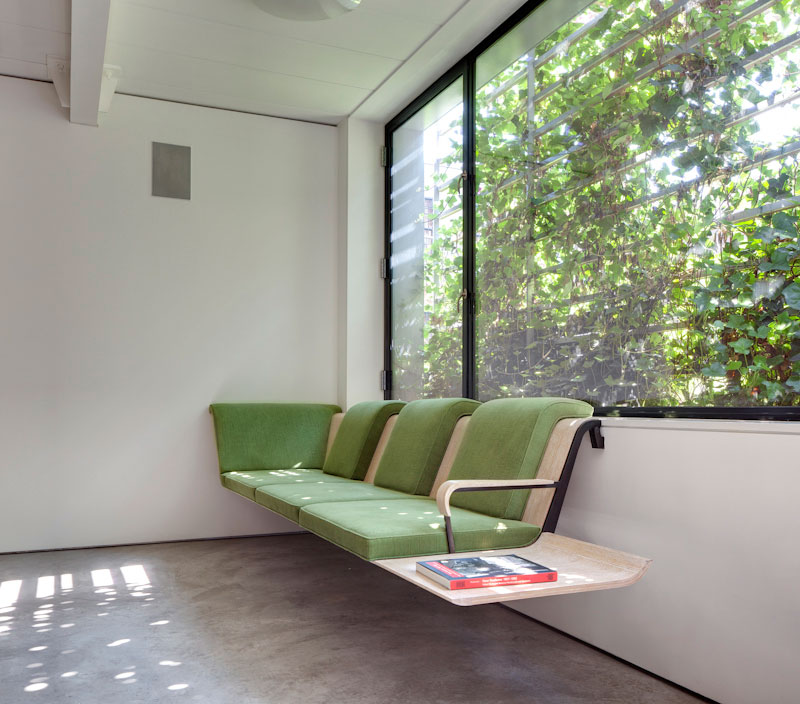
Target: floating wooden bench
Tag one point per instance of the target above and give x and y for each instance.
(396, 483)
(581, 567)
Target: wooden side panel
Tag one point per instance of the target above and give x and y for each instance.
(550, 468)
(336, 421)
(376, 458)
(450, 453)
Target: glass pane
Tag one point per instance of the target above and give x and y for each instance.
(426, 249)
(637, 207)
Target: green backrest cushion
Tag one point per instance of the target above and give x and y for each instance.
(357, 438)
(418, 443)
(254, 436)
(506, 439)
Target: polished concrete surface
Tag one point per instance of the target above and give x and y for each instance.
(278, 619)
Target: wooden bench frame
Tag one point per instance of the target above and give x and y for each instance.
(581, 566)
(450, 487)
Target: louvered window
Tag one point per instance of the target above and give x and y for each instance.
(635, 240)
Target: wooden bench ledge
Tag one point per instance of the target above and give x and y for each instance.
(581, 567)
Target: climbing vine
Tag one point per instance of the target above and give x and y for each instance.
(636, 224)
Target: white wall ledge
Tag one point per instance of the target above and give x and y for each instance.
(704, 425)
(687, 499)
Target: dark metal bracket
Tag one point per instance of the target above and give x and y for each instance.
(598, 442)
(551, 521)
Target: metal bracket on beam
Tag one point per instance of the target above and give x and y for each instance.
(111, 76)
(58, 71)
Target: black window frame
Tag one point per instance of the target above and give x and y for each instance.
(465, 69)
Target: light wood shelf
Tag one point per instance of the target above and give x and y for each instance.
(581, 567)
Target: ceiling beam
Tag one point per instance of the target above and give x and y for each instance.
(89, 32)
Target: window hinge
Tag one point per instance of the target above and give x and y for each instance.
(384, 156)
(386, 380)
(384, 268)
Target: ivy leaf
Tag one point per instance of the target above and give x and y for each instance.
(785, 223)
(660, 104)
(794, 383)
(715, 369)
(777, 186)
(688, 159)
(737, 281)
(735, 321)
(759, 363)
(779, 261)
(752, 94)
(791, 294)
(649, 125)
(607, 20)
(643, 57)
(702, 300)
(767, 288)
(768, 234)
(742, 345)
(774, 389)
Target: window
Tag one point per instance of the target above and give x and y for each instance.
(635, 232)
(426, 256)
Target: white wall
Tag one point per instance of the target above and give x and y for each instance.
(123, 315)
(361, 248)
(715, 504)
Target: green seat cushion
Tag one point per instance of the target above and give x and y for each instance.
(288, 499)
(357, 438)
(246, 483)
(411, 527)
(271, 435)
(506, 439)
(418, 443)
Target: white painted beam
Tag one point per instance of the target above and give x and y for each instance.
(89, 32)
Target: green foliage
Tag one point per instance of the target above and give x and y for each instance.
(637, 242)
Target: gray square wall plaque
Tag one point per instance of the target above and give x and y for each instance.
(172, 171)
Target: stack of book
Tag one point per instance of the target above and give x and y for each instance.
(489, 571)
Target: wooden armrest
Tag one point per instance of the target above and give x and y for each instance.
(448, 488)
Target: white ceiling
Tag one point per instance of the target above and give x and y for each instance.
(230, 54)
(29, 31)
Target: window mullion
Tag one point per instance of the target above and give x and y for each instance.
(468, 366)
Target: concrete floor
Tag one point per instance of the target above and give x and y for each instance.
(275, 619)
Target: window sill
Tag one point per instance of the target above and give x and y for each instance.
(767, 427)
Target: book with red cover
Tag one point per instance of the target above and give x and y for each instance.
(489, 571)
